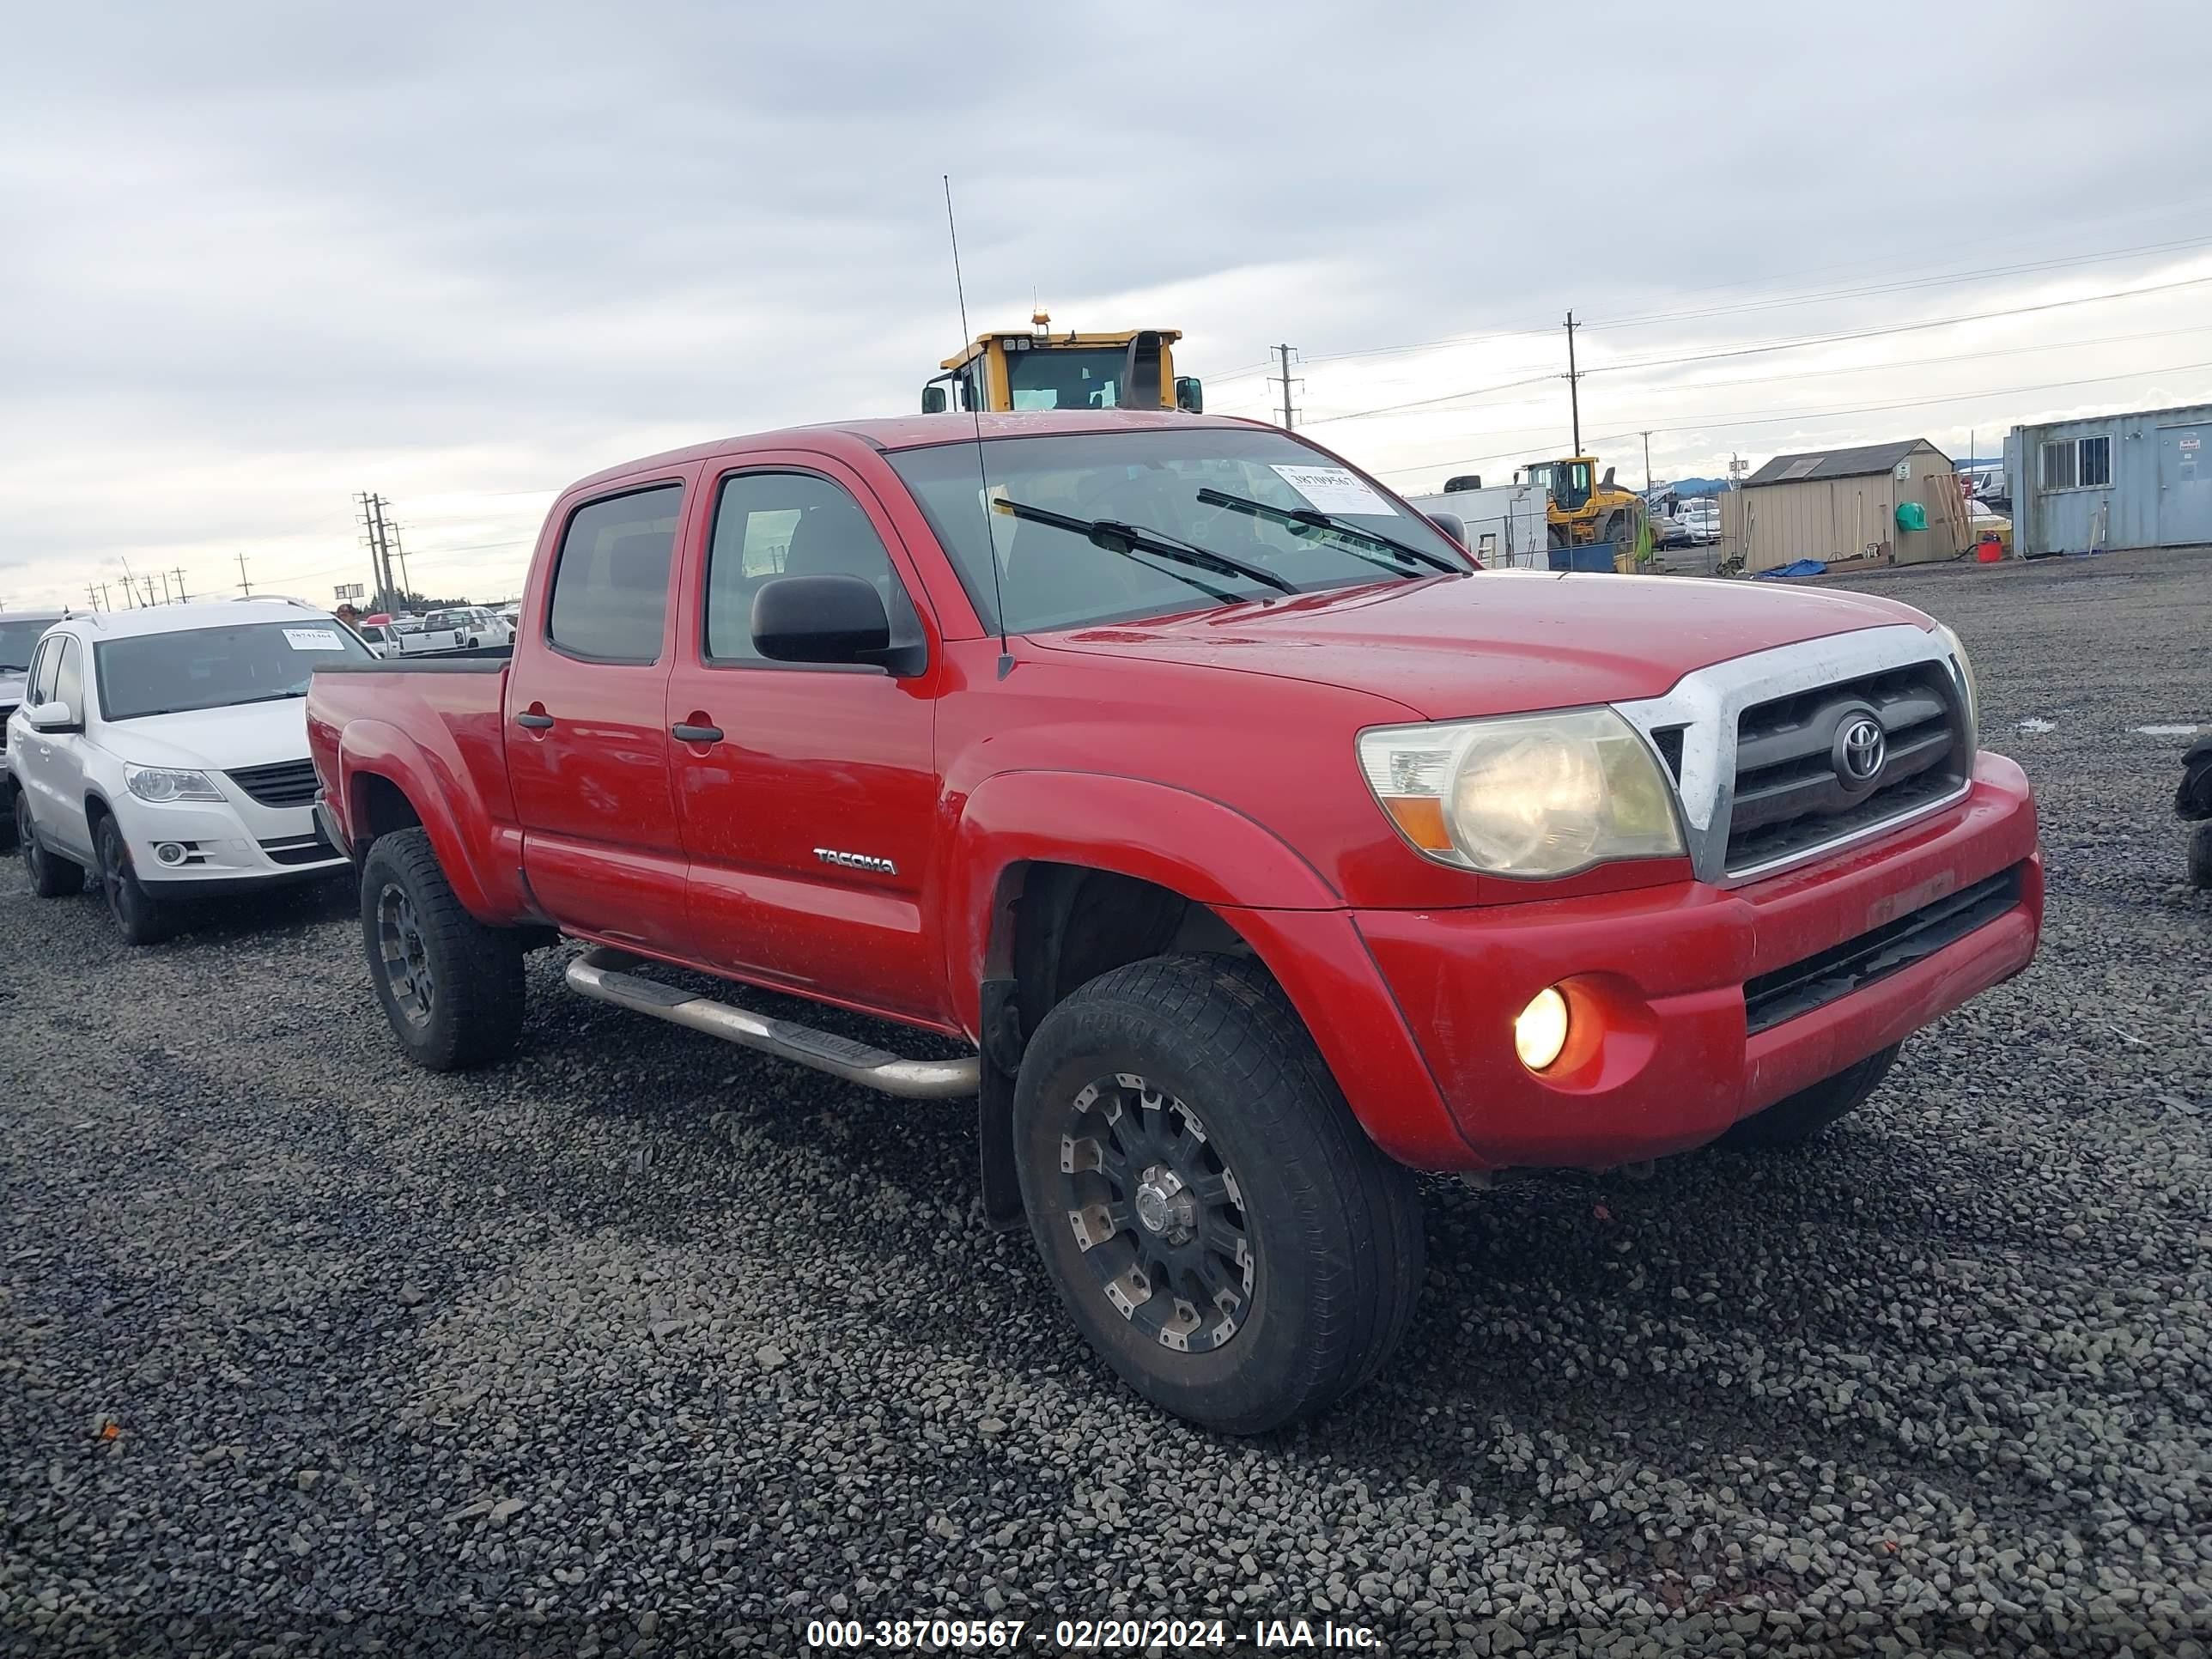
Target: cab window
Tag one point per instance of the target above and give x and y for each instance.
(611, 580)
(1572, 487)
(787, 523)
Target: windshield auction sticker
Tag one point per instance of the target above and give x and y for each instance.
(313, 639)
(1333, 488)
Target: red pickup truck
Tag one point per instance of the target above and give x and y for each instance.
(1262, 848)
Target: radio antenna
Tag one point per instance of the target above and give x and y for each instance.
(983, 472)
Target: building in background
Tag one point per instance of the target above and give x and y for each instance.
(1842, 504)
(2140, 480)
(1505, 523)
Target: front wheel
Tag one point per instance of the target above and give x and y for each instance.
(2200, 855)
(1796, 1119)
(140, 918)
(451, 988)
(1220, 1229)
(52, 875)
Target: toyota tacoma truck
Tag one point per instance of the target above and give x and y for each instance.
(1253, 848)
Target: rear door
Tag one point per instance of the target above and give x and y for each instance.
(2185, 485)
(55, 776)
(588, 743)
(809, 812)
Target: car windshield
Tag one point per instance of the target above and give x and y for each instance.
(216, 667)
(16, 638)
(1052, 575)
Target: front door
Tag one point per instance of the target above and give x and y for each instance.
(587, 726)
(807, 794)
(51, 767)
(2185, 485)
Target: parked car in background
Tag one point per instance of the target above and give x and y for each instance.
(403, 639)
(19, 638)
(165, 750)
(1668, 529)
(472, 626)
(1257, 849)
(1700, 515)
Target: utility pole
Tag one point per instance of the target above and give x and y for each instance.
(1647, 463)
(130, 585)
(92, 595)
(244, 583)
(183, 597)
(1283, 352)
(379, 554)
(398, 552)
(165, 588)
(1574, 387)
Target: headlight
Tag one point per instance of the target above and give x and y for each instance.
(159, 783)
(1957, 647)
(1531, 795)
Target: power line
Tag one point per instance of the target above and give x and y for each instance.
(1774, 417)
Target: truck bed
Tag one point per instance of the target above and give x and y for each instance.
(439, 722)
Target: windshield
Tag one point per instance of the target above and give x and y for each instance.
(1062, 378)
(16, 638)
(216, 667)
(1052, 575)
(1571, 485)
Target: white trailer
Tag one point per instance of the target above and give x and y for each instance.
(1505, 523)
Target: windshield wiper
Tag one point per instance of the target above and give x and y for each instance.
(1308, 520)
(273, 696)
(1129, 539)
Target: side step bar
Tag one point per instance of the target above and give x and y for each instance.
(598, 974)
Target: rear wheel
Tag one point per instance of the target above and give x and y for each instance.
(1219, 1226)
(1797, 1119)
(140, 919)
(2200, 855)
(52, 875)
(451, 988)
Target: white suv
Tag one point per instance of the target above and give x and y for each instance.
(165, 750)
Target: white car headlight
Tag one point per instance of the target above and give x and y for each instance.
(163, 783)
(1529, 795)
(1957, 647)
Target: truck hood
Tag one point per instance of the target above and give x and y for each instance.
(1500, 642)
(213, 739)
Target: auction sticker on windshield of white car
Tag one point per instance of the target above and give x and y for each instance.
(313, 639)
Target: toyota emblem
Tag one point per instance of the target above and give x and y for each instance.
(1861, 749)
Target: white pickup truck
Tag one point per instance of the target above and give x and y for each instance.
(406, 638)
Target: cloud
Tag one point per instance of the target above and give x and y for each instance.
(271, 255)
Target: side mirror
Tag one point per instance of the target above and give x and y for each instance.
(828, 620)
(1452, 524)
(1190, 395)
(932, 400)
(53, 717)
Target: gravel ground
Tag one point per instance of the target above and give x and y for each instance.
(642, 1344)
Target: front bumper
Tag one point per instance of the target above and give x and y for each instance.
(223, 848)
(1660, 973)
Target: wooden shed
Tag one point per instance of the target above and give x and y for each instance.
(1842, 505)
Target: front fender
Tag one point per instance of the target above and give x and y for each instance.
(480, 856)
(1202, 848)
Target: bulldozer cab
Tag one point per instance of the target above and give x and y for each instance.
(1568, 480)
(1012, 370)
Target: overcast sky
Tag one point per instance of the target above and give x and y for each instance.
(256, 258)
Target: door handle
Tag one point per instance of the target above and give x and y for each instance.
(684, 731)
(535, 722)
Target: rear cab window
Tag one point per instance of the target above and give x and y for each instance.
(611, 577)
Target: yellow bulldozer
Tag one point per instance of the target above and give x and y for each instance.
(1036, 369)
(1587, 511)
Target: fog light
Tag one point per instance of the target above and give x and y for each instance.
(170, 852)
(1541, 1029)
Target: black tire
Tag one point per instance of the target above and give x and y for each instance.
(140, 918)
(1329, 1228)
(52, 875)
(2200, 855)
(451, 988)
(10, 838)
(1796, 1119)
